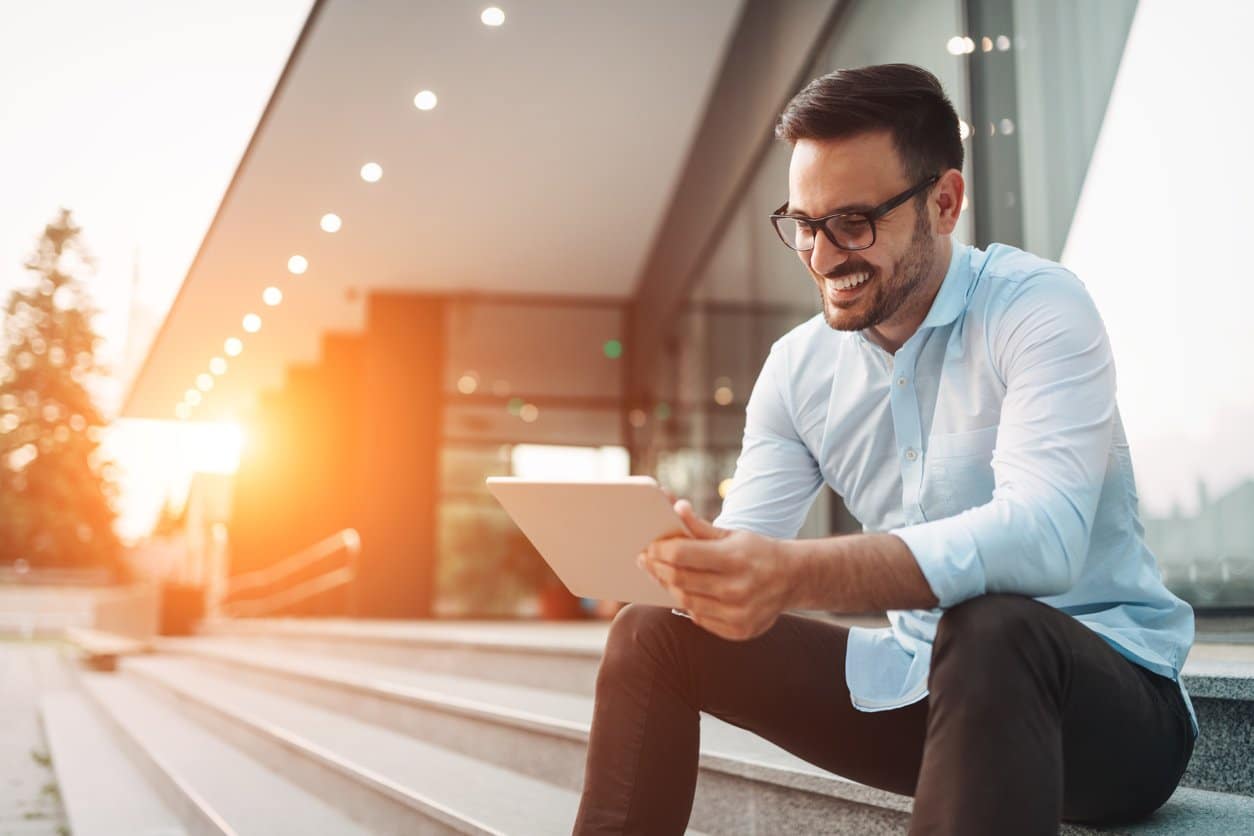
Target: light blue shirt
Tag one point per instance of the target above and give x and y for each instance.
(990, 443)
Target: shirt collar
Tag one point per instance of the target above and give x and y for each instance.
(951, 299)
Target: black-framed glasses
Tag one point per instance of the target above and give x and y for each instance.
(846, 230)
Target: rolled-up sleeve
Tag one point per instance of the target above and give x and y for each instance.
(776, 477)
(1050, 350)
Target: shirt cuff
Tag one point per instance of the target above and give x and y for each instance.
(948, 556)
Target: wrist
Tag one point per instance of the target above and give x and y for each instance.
(791, 558)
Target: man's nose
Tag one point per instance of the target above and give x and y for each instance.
(826, 256)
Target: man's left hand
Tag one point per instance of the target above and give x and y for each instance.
(733, 583)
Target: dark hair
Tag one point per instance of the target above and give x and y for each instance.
(903, 99)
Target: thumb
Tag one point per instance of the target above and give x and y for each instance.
(700, 529)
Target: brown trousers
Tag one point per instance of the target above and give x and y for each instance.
(1031, 719)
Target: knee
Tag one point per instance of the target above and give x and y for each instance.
(638, 633)
(986, 631)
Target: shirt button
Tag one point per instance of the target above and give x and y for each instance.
(901, 381)
(911, 453)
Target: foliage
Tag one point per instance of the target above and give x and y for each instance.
(487, 564)
(56, 489)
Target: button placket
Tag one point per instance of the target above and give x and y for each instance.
(903, 400)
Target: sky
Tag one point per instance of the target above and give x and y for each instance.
(134, 115)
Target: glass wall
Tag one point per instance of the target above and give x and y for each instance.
(520, 374)
(1155, 234)
(1089, 134)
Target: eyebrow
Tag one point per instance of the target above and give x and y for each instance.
(839, 210)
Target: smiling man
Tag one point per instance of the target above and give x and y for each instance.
(962, 402)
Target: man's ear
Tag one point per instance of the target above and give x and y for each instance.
(947, 198)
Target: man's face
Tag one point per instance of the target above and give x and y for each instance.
(857, 174)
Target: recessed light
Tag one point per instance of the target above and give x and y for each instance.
(252, 323)
(371, 172)
(217, 365)
(331, 222)
(297, 264)
(425, 100)
(182, 411)
(492, 16)
(232, 346)
(204, 382)
(272, 296)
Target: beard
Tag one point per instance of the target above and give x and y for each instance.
(887, 294)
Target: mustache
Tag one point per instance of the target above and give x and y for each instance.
(845, 270)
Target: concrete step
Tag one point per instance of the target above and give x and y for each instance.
(393, 782)
(104, 793)
(746, 782)
(213, 787)
(565, 657)
(559, 657)
(746, 785)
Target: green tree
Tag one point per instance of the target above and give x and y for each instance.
(56, 489)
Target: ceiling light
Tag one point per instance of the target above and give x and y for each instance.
(272, 296)
(252, 323)
(297, 264)
(192, 397)
(371, 172)
(425, 100)
(331, 222)
(217, 365)
(182, 411)
(492, 16)
(233, 346)
(204, 382)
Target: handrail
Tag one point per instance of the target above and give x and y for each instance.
(347, 539)
(285, 597)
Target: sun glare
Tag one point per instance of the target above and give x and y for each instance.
(215, 445)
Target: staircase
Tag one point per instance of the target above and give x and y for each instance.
(336, 726)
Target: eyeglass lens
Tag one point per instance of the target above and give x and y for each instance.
(851, 232)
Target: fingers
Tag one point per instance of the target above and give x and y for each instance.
(731, 630)
(713, 602)
(711, 584)
(698, 555)
(699, 527)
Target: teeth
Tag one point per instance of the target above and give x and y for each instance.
(852, 281)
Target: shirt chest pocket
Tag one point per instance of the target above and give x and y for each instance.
(957, 472)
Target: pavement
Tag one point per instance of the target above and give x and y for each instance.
(29, 801)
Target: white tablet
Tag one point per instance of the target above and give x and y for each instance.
(591, 532)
